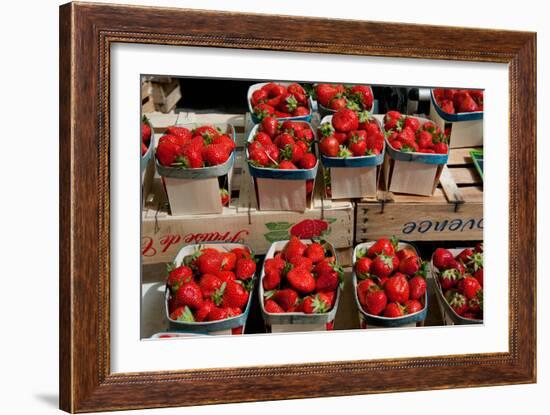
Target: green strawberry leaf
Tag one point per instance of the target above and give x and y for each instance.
(186, 316)
(330, 220)
(276, 236)
(278, 226)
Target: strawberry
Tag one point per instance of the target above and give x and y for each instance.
(412, 123)
(296, 89)
(345, 120)
(145, 133)
(382, 266)
(183, 133)
(478, 275)
(264, 110)
(143, 149)
(271, 280)
(309, 228)
(189, 294)
(302, 262)
(216, 314)
(363, 95)
(258, 157)
(215, 154)
(328, 281)
(210, 262)
(229, 259)
(442, 258)
(263, 138)
(301, 280)
(245, 268)
(358, 147)
(294, 247)
(397, 288)
(182, 314)
(457, 301)
(234, 295)
(168, 152)
(292, 152)
(207, 132)
(178, 276)
(329, 146)
(325, 92)
(475, 305)
(404, 253)
(337, 102)
(272, 152)
(242, 252)
(315, 304)
(382, 246)
(469, 286)
(417, 287)
(308, 161)
(449, 278)
(270, 126)
(271, 306)
(202, 312)
(363, 267)
(286, 298)
(209, 284)
(287, 165)
(392, 115)
(326, 265)
(363, 288)
(224, 197)
(315, 252)
(226, 275)
(375, 301)
(441, 148)
(394, 310)
(258, 96)
(413, 306)
(409, 265)
(225, 141)
(284, 139)
(274, 264)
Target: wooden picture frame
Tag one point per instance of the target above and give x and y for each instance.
(86, 33)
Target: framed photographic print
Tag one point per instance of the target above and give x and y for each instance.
(306, 204)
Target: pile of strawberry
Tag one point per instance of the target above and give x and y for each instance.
(410, 135)
(301, 279)
(146, 134)
(392, 282)
(338, 96)
(211, 285)
(276, 100)
(284, 145)
(454, 101)
(461, 280)
(192, 149)
(351, 134)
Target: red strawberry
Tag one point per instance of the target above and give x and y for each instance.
(271, 279)
(296, 89)
(207, 132)
(308, 161)
(442, 258)
(189, 294)
(226, 141)
(475, 305)
(226, 275)
(245, 268)
(270, 125)
(210, 262)
(309, 228)
(258, 96)
(183, 133)
(145, 133)
(395, 115)
(441, 148)
(409, 265)
(397, 288)
(301, 280)
(215, 154)
(394, 310)
(294, 247)
(328, 281)
(178, 276)
(202, 312)
(271, 306)
(375, 301)
(363, 266)
(363, 288)
(302, 262)
(413, 306)
(457, 301)
(292, 152)
(229, 259)
(168, 152)
(286, 298)
(258, 157)
(182, 314)
(363, 94)
(217, 313)
(337, 102)
(326, 265)
(358, 147)
(287, 165)
(345, 120)
(325, 92)
(412, 123)
(234, 295)
(263, 138)
(449, 278)
(300, 111)
(316, 304)
(469, 286)
(242, 252)
(478, 275)
(315, 252)
(381, 246)
(274, 264)
(143, 149)
(264, 110)
(284, 139)
(404, 253)
(417, 287)
(329, 146)
(382, 266)
(209, 284)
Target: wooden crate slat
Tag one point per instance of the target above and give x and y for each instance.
(465, 175)
(458, 156)
(451, 190)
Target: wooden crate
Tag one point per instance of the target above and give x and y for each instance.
(160, 94)
(164, 234)
(454, 212)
